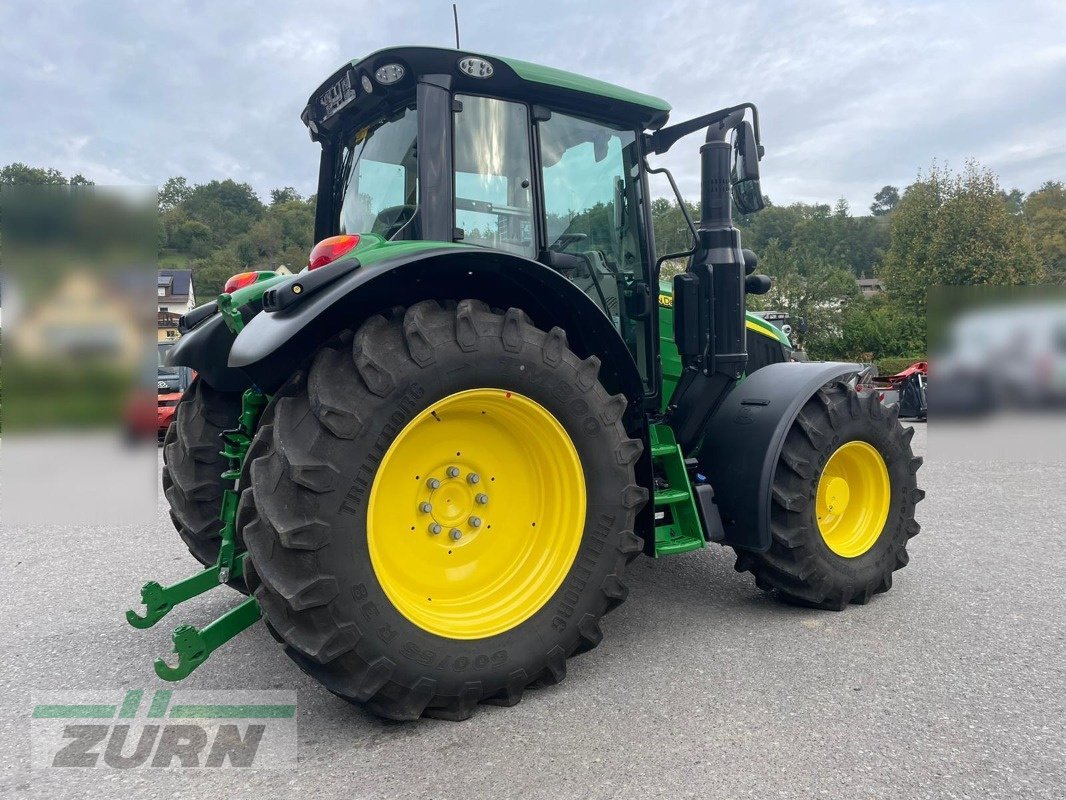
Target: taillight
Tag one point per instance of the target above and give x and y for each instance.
(239, 281)
(329, 250)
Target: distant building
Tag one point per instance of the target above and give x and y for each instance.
(870, 286)
(167, 326)
(174, 290)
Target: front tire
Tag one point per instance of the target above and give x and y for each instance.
(842, 505)
(346, 564)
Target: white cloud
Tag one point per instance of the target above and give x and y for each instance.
(853, 94)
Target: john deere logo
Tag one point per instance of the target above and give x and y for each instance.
(165, 730)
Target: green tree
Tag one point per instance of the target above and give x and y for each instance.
(174, 192)
(1044, 212)
(192, 237)
(228, 208)
(672, 233)
(885, 201)
(1014, 200)
(19, 174)
(817, 292)
(286, 194)
(873, 328)
(954, 230)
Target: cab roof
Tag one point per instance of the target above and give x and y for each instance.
(510, 78)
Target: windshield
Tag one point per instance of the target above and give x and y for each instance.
(379, 177)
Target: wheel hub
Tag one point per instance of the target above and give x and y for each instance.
(837, 495)
(455, 502)
(852, 499)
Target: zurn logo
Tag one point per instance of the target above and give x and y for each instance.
(164, 729)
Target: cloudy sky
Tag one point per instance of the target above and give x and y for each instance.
(853, 94)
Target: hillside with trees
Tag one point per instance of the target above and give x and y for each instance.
(947, 228)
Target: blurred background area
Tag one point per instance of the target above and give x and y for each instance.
(78, 355)
(997, 372)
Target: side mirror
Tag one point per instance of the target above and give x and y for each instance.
(599, 147)
(747, 193)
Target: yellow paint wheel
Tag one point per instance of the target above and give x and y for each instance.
(476, 513)
(852, 499)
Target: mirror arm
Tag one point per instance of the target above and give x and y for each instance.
(665, 138)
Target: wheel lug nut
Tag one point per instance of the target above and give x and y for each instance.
(482, 499)
(433, 483)
(453, 472)
(475, 522)
(456, 534)
(435, 528)
(425, 508)
(473, 477)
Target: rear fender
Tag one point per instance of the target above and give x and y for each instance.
(206, 338)
(206, 349)
(743, 441)
(274, 345)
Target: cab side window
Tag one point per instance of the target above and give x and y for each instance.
(493, 198)
(592, 204)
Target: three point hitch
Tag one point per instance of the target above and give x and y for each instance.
(193, 645)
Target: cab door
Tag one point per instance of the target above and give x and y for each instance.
(594, 223)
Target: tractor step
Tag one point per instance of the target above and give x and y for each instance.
(671, 496)
(681, 529)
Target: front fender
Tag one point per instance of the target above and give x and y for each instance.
(743, 441)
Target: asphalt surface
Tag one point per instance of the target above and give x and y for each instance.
(952, 685)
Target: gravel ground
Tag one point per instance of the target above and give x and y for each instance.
(951, 685)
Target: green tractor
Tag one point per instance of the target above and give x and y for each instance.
(428, 457)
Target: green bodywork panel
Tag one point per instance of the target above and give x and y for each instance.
(372, 248)
(579, 83)
(229, 304)
(671, 361)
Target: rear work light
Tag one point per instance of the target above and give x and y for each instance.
(239, 281)
(329, 250)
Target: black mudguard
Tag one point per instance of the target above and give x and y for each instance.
(743, 442)
(205, 349)
(274, 345)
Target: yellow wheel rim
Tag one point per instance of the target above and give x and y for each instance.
(476, 513)
(852, 499)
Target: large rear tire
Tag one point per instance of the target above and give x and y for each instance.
(842, 508)
(193, 466)
(404, 426)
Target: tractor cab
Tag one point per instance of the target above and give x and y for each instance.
(430, 144)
